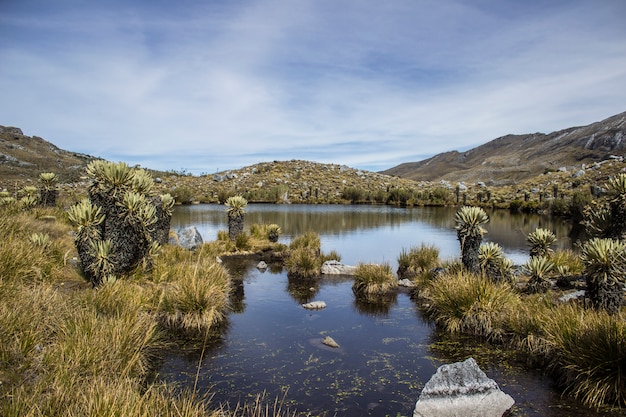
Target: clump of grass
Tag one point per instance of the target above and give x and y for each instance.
(333, 255)
(197, 297)
(589, 354)
(373, 279)
(464, 303)
(303, 263)
(417, 260)
(242, 242)
(309, 240)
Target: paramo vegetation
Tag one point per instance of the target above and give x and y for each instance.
(95, 262)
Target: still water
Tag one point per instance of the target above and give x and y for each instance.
(387, 353)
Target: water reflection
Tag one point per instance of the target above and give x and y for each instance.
(387, 351)
(377, 233)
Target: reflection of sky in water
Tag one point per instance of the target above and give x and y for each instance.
(375, 234)
(385, 358)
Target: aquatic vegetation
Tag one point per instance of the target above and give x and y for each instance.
(373, 279)
(464, 303)
(417, 260)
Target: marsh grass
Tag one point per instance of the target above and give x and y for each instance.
(372, 279)
(465, 303)
(303, 263)
(589, 354)
(69, 350)
(417, 261)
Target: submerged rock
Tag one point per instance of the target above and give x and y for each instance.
(329, 341)
(333, 267)
(314, 305)
(462, 390)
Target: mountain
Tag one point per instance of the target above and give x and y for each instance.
(25, 157)
(514, 158)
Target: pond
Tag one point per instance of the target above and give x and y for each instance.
(272, 344)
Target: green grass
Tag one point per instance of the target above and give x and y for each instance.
(372, 279)
(464, 303)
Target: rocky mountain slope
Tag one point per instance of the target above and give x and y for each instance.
(515, 158)
(23, 158)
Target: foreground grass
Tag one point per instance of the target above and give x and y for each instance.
(584, 349)
(70, 350)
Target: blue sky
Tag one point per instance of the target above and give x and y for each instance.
(215, 85)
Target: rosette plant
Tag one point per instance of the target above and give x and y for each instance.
(236, 209)
(469, 230)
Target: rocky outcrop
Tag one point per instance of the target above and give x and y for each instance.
(188, 238)
(333, 267)
(462, 390)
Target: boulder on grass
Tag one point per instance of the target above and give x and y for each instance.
(462, 390)
(188, 238)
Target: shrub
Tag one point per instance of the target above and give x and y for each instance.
(119, 223)
(540, 241)
(469, 229)
(538, 268)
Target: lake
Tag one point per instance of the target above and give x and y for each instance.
(387, 353)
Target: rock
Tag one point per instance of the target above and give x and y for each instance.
(406, 283)
(314, 305)
(261, 266)
(333, 267)
(462, 390)
(188, 238)
(329, 341)
(575, 295)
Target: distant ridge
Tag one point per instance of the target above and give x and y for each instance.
(514, 158)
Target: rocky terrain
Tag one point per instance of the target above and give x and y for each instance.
(23, 158)
(514, 158)
(509, 168)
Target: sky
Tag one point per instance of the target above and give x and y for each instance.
(207, 86)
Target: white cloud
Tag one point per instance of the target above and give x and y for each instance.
(364, 83)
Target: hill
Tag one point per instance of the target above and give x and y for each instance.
(23, 158)
(514, 158)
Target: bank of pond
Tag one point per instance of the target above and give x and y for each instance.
(196, 332)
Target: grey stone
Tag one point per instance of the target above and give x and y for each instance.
(329, 341)
(462, 390)
(261, 266)
(406, 283)
(314, 305)
(188, 238)
(575, 295)
(333, 267)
